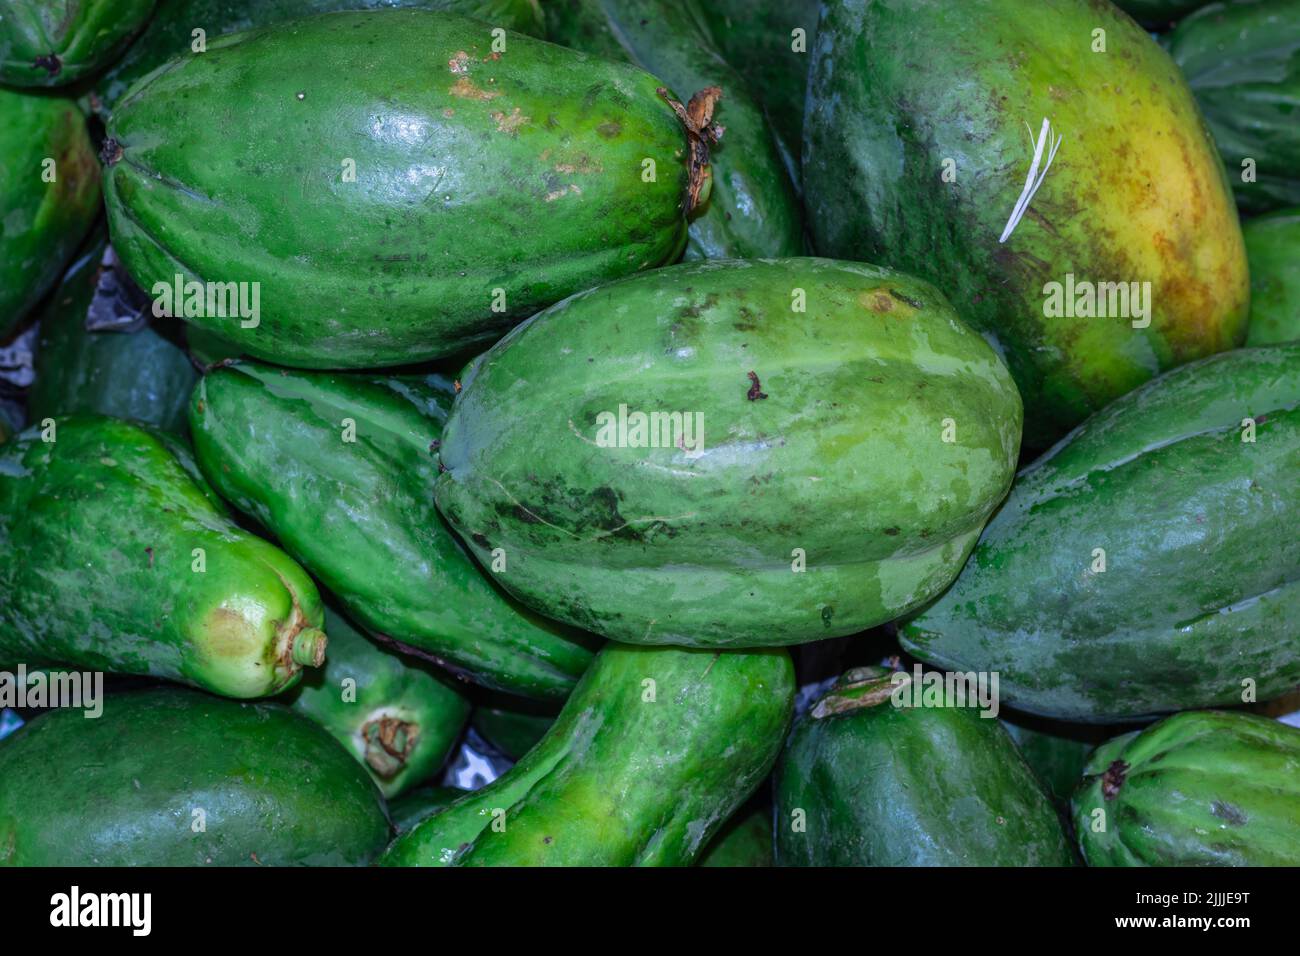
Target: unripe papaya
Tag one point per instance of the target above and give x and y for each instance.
(54, 42)
(1273, 247)
(827, 441)
(384, 208)
(652, 753)
(114, 556)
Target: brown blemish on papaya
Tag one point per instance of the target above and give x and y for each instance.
(609, 130)
(1112, 779)
(149, 551)
(459, 63)
(510, 123)
(877, 300)
(585, 164)
(110, 152)
(755, 389)
(50, 63)
(466, 90)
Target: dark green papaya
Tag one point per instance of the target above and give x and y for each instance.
(340, 468)
(1242, 61)
(398, 717)
(752, 211)
(170, 777)
(143, 374)
(866, 782)
(513, 725)
(54, 42)
(453, 203)
(1273, 247)
(745, 840)
(652, 753)
(1111, 273)
(418, 805)
(49, 195)
(1205, 788)
(115, 556)
(828, 441)
(1161, 532)
(1056, 759)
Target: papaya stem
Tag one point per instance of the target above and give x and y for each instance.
(701, 132)
(309, 647)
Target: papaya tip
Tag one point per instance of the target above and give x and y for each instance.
(309, 647)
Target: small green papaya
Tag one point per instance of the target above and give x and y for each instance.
(418, 805)
(340, 468)
(1206, 788)
(1088, 592)
(115, 556)
(651, 754)
(745, 840)
(370, 210)
(49, 195)
(513, 725)
(398, 717)
(54, 42)
(864, 781)
(1273, 248)
(270, 787)
(827, 441)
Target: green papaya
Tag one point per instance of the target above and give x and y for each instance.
(752, 211)
(864, 781)
(1112, 273)
(1089, 591)
(115, 557)
(170, 777)
(827, 441)
(392, 239)
(1205, 788)
(1057, 760)
(49, 194)
(744, 841)
(513, 725)
(654, 750)
(1273, 248)
(418, 805)
(54, 42)
(1242, 61)
(1158, 12)
(400, 719)
(143, 375)
(340, 468)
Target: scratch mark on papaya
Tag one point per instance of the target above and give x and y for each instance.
(520, 505)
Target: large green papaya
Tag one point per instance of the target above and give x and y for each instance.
(1113, 271)
(1129, 559)
(341, 469)
(171, 777)
(442, 212)
(1273, 247)
(652, 753)
(867, 781)
(114, 556)
(732, 453)
(397, 717)
(49, 196)
(54, 42)
(752, 211)
(1242, 61)
(1197, 789)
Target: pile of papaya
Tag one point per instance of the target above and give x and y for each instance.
(774, 432)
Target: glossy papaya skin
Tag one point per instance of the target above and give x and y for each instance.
(98, 532)
(418, 805)
(55, 42)
(1241, 62)
(823, 431)
(1163, 483)
(652, 753)
(270, 786)
(884, 125)
(745, 841)
(43, 222)
(752, 211)
(144, 375)
(1273, 247)
(399, 718)
(502, 183)
(513, 725)
(884, 785)
(273, 442)
(1202, 788)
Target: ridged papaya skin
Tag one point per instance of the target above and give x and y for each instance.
(270, 786)
(1162, 483)
(884, 125)
(752, 211)
(170, 33)
(275, 444)
(43, 222)
(399, 718)
(1205, 788)
(1242, 61)
(100, 531)
(55, 42)
(1273, 248)
(487, 184)
(823, 447)
(863, 782)
(652, 753)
